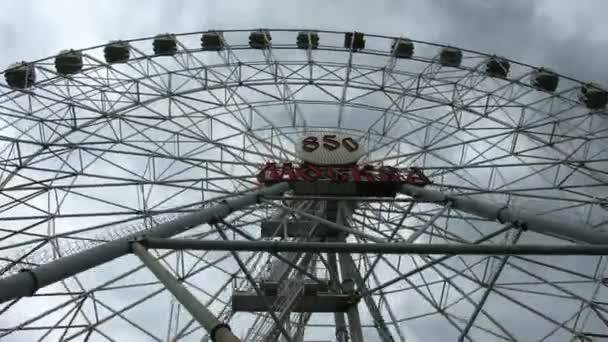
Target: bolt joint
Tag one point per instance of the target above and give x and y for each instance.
(35, 282)
(213, 333)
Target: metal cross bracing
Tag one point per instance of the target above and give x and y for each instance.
(158, 136)
(290, 285)
(290, 290)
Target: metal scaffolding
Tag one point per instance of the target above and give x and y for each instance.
(29, 281)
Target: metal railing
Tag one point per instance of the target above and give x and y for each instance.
(63, 246)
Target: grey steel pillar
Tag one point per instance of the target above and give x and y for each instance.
(536, 223)
(279, 267)
(28, 282)
(218, 331)
(341, 332)
(299, 335)
(489, 287)
(303, 260)
(383, 331)
(354, 320)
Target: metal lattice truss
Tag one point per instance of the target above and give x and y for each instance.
(118, 150)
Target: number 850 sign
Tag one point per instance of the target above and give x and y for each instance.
(329, 142)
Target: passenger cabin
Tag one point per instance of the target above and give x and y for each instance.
(164, 45)
(307, 40)
(402, 48)
(68, 62)
(260, 39)
(20, 75)
(545, 80)
(450, 57)
(354, 41)
(212, 41)
(497, 67)
(593, 96)
(117, 52)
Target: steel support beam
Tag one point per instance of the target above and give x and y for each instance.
(218, 331)
(354, 319)
(341, 332)
(488, 290)
(326, 222)
(536, 223)
(383, 332)
(303, 263)
(28, 282)
(415, 235)
(384, 248)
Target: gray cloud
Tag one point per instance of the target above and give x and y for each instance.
(565, 36)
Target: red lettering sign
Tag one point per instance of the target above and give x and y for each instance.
(288, 172)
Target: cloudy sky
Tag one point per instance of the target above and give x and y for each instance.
(567, 36)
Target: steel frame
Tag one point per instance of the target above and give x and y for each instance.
(152, 110)
(28, 282)
(373, 248)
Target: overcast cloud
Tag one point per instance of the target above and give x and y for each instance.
(567, 36)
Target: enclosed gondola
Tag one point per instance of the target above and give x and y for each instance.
(450, 57)
(354, 41)
(68, 62)
(497, 67)
(212, 41)
(545, 79)
(165, 45)
(594, 96)
(117, 52)
(20, 75)
(260, 39)
(402, 48)
(307, 40)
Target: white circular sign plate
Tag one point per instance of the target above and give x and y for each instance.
(329, 148)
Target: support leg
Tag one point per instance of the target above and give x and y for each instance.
(219, 331)
(341, 332)
(383, 331)
(354, 320)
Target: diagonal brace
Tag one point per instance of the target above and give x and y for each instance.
(26, 283)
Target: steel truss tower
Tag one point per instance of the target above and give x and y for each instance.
(133, 207)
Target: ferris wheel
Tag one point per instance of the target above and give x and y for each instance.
(299, 185)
